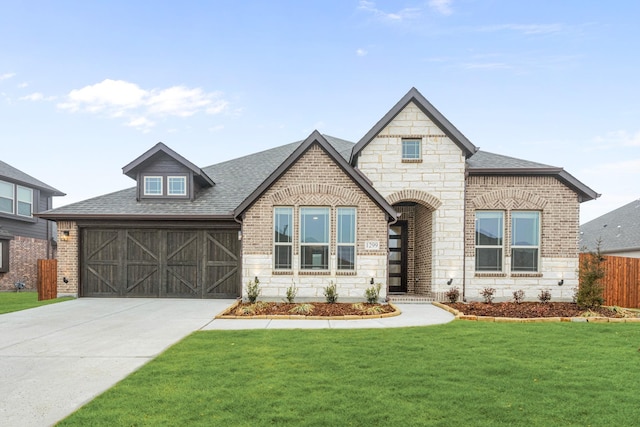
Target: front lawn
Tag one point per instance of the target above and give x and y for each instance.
(16, 301)
(462, 373)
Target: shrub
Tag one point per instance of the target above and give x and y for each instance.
(292, 291)
(453, 295)
(253, 290)
(544, 296)
(331, 293)
(518, 296)
(372, 294)
(487, 294)
(590, 291)
(302, 309)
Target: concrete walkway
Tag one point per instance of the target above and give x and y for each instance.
(55, 358)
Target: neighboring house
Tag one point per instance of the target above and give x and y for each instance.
(618, 232)
(413, 205)
(24, 238)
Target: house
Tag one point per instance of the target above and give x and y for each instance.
(618, 232)
(24, 238)
(413, 205)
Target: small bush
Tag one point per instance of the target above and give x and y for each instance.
(331, 293)
(253, 290)
(372, 294)
(302, 309)
(518, 296)
(590, 291)
(544, 296)
(453, 295)
(292, 291)
(487, 294)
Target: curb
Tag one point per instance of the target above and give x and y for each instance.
(225, 315)
(596, 319)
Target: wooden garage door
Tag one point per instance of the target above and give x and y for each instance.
(160, 263)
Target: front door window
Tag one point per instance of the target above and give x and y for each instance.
(398, 257)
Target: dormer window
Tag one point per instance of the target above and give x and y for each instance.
(153, 186)
(177, 186)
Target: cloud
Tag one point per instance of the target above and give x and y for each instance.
(23, 85)
(441, 6)
(361, 52)
(486, 66)
(399, 16)
(6, 76)
(631, 167)
(619, 138)
(528, 29)
(122, 99)
(36, 96)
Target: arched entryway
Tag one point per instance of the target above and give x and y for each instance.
(411, 254)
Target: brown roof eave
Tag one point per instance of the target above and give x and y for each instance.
(585, 193)
(64, 217)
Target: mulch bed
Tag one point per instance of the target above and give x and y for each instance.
(531, 310)
(322, 309)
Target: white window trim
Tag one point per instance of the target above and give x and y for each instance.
(512, 246)
(145, 185)
(354, 245)
(182, 178)
(18, 201)
(476, 246)
(419, 141)
(289, 244)
(13, 198)
(327, 244)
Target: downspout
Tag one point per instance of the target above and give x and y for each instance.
(464, 237)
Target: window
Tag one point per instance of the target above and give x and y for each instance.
(411, 149)
(6, 197)
(4, 256)
(314, 238)
(177, 186)
(282, 238)
(525, 241)
(346, 238)
(489, 238)
(153, 186)
(25, 201)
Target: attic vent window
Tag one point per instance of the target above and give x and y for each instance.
(411, 149)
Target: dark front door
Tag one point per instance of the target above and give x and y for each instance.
(398, 257)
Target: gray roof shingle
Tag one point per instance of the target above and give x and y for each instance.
(618, 230)
(16, 175)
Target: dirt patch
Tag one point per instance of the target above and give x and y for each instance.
(527, 310)
(315, 309)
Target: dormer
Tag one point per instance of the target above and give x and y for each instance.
(163, 174)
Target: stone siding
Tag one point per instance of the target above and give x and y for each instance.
(314, 180)
(436, 181)
(559, 226)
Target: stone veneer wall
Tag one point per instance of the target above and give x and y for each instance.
(68, 258)
(559, 234)
(314, 180)
(438, 176)
(24, 253)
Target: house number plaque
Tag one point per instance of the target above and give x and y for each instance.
(372, 245)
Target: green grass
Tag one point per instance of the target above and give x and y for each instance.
(16, 301)
(462, 373)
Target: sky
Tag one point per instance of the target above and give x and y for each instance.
(86, 87)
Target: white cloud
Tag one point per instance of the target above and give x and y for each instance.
(122, 99)
(619, 138)
(36, 96)
(216, 128)
(527, 29)
(23, 85)
(486, 66)
(361, 52)
(6, 76)
(441, 6)
(399, 16)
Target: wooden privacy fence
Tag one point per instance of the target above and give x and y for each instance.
(47, 279)
(621, 281)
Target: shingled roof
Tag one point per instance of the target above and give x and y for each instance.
(17, 176)
(618, 230)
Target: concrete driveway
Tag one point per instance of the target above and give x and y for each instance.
(55, 358)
